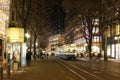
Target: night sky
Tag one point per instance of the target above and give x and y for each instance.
(57, 18)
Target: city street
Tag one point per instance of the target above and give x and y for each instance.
(63, 39)
(57, 69)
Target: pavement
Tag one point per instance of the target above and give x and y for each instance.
(28, 70)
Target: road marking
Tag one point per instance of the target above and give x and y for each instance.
(73, 71)
(80, 70)
(87, 72)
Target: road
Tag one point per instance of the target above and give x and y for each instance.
(57, 69)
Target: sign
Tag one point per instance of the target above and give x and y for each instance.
(15, 34)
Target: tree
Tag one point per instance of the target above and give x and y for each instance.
(39, 24)
(107, 12)
(85, 15)
(23, 11)
(108, 15)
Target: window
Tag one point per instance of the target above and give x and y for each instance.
(95, 30)
(95, 39)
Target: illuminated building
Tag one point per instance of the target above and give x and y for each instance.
(55, 41)
(79, 38)
(113, 30)
(4, 19)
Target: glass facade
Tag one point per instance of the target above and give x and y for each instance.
(113, 41)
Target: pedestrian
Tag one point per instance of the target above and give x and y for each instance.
(13, 57)
(47, 55)
(41, 54)
(28, 57)
(99, 56)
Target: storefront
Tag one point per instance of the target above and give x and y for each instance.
(113, 41)
(113, 48)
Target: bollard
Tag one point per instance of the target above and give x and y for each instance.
(8, 70)
(1, 73)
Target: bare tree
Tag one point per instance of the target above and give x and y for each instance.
(86, 14)
(106, 12)
(39, 23)
(23, 11)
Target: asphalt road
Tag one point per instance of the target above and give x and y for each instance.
(95, 70)
(57, 69)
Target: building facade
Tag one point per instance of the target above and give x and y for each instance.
(80, 39)
(113, 29)
(4, 20)
(55, 41)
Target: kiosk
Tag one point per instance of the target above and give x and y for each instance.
(15, 48)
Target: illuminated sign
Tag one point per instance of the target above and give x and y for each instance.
(15, 34)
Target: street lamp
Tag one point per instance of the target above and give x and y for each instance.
(27, 35)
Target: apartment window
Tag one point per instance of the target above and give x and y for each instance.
(95, 21)
(95, 38)
(95, 30)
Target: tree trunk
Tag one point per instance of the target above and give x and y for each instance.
(104, 46)
(30, 44)
(89, 47)
(35, 47)
(24, 26)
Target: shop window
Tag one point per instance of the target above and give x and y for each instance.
(117, 30)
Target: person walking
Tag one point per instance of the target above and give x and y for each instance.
(47, 55)
(41, 54)
(28, 57)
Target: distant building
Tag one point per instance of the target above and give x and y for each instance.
(54, 42)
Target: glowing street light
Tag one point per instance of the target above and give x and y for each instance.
(27, 35)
